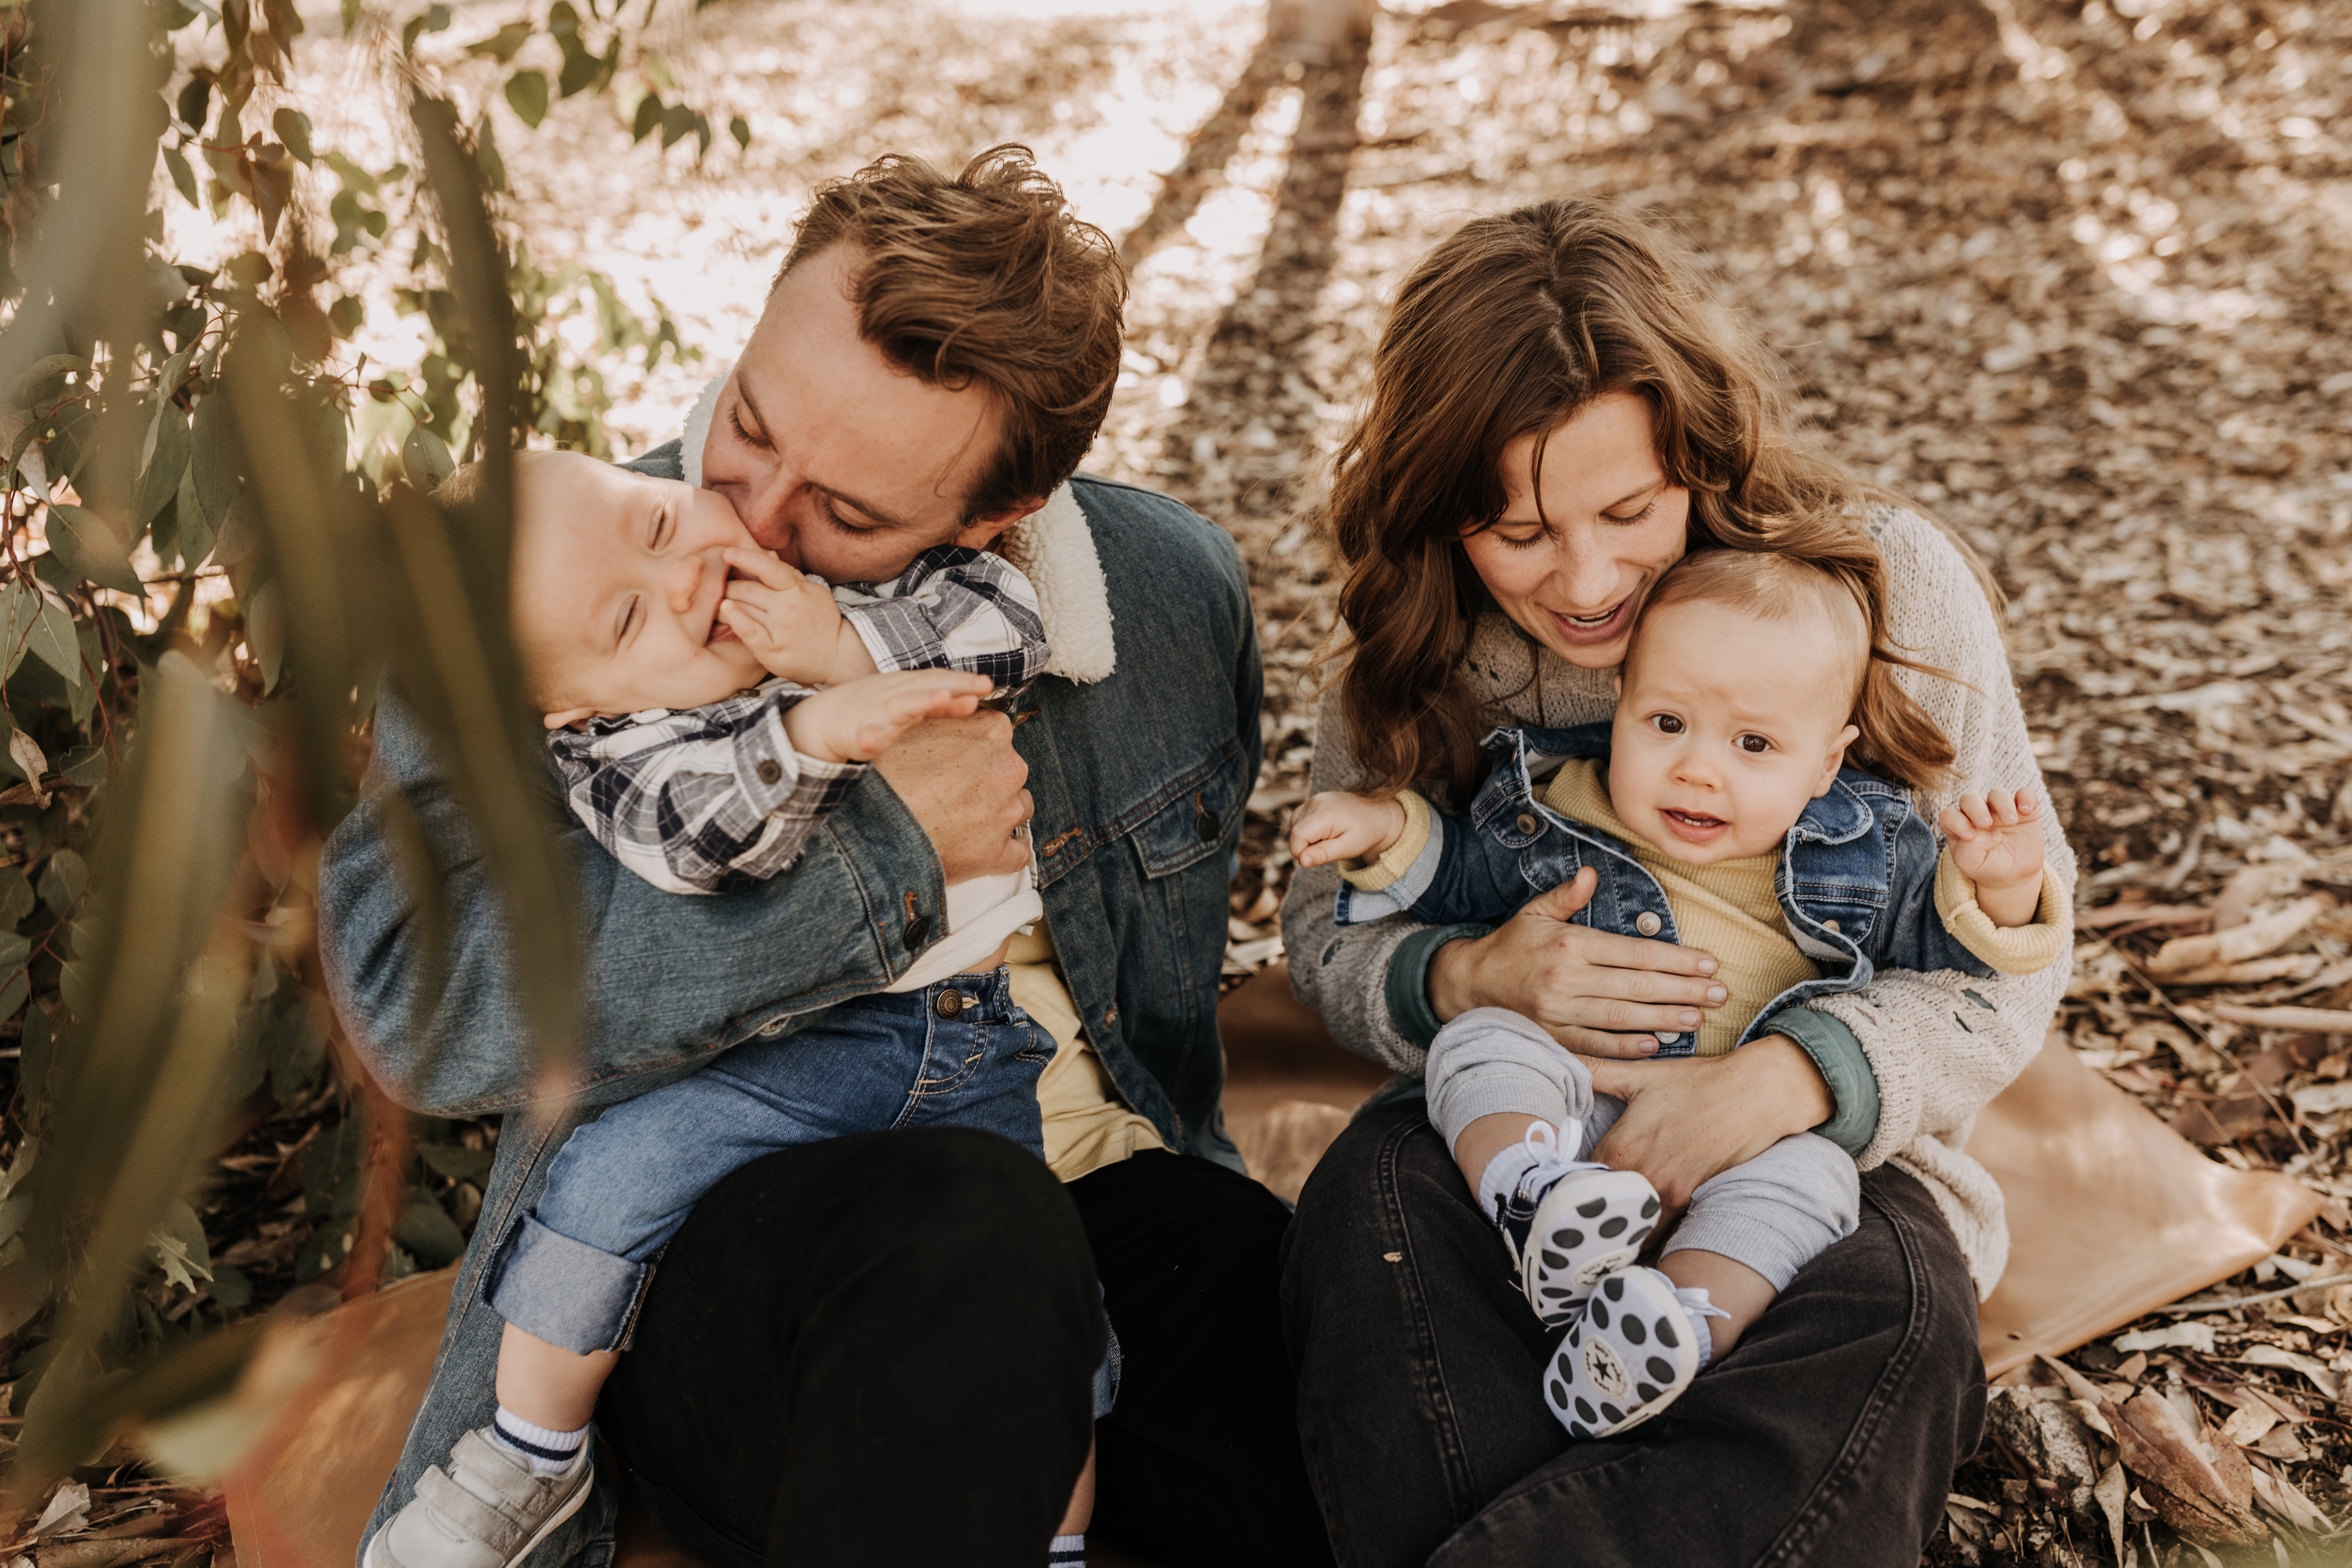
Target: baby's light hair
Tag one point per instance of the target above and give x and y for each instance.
(463, 488)
(1897, 741)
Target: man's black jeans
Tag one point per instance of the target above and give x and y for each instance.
(1827, 1437)
(881, 1349)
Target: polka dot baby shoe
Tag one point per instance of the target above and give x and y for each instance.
(1579, 1224)
(1631, 1353)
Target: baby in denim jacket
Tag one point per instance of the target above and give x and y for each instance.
(1721, 795)
(708, 706)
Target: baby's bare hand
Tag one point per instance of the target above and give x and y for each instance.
(859, 720)
(1336, 825)
(787, 619)
(1996, 837)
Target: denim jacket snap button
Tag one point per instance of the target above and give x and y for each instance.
(1647, 922)
(949, 1005)
(1206, 827)
(1829, 925)
(1525, 823)
(918, 931)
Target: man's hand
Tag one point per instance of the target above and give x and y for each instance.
(1336, 825)
(1996, 844)
(963, 782)
(789, 620)
(857, 722)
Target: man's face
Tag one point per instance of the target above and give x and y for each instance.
(838, 461)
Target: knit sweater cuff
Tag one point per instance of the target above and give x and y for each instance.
(1845, 1068)
(1383, 869)
(1408, 980)
(2008, 949)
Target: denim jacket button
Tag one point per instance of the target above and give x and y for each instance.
(949, 1004)
(918, 931)
(1207, 826)
(1829, 925)
(1525, 823)
(1647, 922)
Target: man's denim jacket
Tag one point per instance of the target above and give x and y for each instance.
(1857, 877)
(1139, 782)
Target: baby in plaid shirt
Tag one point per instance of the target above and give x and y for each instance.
(708, 706)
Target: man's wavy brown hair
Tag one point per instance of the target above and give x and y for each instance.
(984, 277)
(1510, 327)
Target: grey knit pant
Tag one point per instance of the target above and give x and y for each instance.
(1775, 1214)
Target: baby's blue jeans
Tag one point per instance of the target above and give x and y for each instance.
(958, 1053)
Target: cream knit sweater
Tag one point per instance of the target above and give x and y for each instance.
(1939, 1054)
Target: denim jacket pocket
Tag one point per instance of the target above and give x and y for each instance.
(1184, 844)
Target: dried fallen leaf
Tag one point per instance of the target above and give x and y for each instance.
(2252, 939)
(2197, 1337)
(2311, 1366)
(2247, 1423)
(2315, 1020)
(2195, 1488)
(2283, 1498)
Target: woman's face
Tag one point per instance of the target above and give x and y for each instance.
(1574, 573)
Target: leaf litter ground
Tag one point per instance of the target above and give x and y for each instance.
(2074, 277)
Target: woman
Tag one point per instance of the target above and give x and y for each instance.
(1559, 411)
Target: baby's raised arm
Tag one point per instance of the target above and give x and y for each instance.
(1995, 839)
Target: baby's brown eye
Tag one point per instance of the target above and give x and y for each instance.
(1668, 724)
(1755, 745)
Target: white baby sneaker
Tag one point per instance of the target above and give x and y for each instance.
(1636, 1345)
(1569, 1224)
(486, 1511)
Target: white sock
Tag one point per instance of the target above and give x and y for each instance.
(543, 1448)
(1699, 1309)
(1066, 1552)
(1500, 1180)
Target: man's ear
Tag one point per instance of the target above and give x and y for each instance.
(569, 717)
(1836, 760)
(981, 532)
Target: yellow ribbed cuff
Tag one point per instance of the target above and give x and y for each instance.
(1377, 874)
(2011, 950)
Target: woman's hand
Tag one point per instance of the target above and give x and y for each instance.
(1688, 1120)
(1600, 994)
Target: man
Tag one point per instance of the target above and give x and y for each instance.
(830, 1366)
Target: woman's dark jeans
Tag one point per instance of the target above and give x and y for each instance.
(881, 1349)
(1827, 1437)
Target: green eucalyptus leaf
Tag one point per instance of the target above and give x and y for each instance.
(425, 458)
(84, 765)
(240, 532)
(194, 534)
(676, 121)
(265, 634)
(165, 461)
(458, 1163)
(527, 96)
(347, 315)
(14, 947)
(14, 991)
(48, 369)
(293, 128)
(426, 1229)
(16, 898)
(88, 543)
(63, 881)
(649, 117)
(194, 102)
(740, 128)
(502, 45)
(183, 178)
(213, 459)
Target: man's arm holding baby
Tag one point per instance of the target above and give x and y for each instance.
(429, 989)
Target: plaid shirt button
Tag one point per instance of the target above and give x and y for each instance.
(768, 771)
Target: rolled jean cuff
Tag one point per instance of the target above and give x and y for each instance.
(566, 1292)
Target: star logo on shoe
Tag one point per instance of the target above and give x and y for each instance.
(1605, 1371)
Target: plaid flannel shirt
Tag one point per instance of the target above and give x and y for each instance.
(712, 799)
